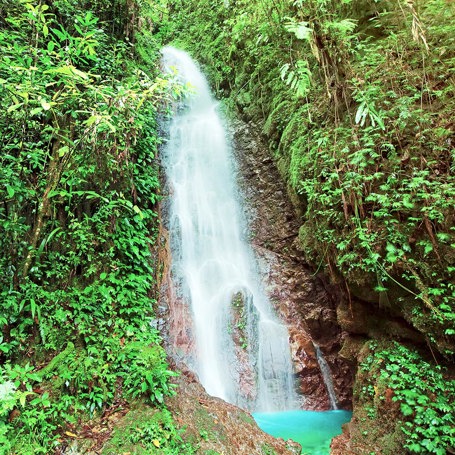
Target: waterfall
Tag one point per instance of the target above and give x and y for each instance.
(241, 353)
(327, 376)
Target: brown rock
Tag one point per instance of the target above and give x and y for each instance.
(226, 428)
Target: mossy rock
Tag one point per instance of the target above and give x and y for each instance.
(58, 362)
(146, 431)
(352, 347)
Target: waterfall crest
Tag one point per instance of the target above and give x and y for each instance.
(241, 350)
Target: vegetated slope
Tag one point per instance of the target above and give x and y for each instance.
(79, 90)
(357, 100)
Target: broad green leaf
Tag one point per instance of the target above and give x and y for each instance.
(23, 95)
(407, 203)
(61, 34)
(91, 120)
(45, 105)
(14, 107)
(22, 398)
(138, 211)
(428, 248)
(361, 113)
(35, 111)
(33, 307)
(61, 70)
(10, 191)
(78, 29)
(390, 248)
(283, 70)
(68, 70)
(63, 150)
(159, 396)
(141, 102)
(406, 410)
(79, 73)
(380, 288)
(111, 126)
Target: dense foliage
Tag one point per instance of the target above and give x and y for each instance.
(399, 381)
(79, 91)
(356, 98)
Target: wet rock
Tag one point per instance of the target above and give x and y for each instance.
(367, 319)
(307, 303)
(351, 348)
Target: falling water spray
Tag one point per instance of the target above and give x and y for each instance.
(213, 267)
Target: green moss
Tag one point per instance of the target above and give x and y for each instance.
(207, 425)
(147, 431)
(246, 418)
(57, 362)
(277, 118)
(267, 450)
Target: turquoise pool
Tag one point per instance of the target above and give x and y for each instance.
(312, 429)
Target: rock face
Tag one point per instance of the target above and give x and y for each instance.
(306, 302)
(219, 427)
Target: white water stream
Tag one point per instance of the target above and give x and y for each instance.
(326, 376)
(213, 267)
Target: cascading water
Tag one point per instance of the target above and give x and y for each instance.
(327, 376)
(213, 267)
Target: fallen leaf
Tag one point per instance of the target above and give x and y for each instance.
(68, 433)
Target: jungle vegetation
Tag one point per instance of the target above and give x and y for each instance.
(357, 101)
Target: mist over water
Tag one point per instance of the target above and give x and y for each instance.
(213, 267)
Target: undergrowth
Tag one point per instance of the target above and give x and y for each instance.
(424, 395)
(156, 434)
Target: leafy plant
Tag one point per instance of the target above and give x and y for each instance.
(298, 78)
(157, 433)
(425, 395)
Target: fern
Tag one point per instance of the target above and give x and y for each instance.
(297, 77)
(300, 29)
(343, 27)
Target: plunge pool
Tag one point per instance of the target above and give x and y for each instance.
(313, 430)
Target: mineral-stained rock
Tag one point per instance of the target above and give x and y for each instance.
(305, 301)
